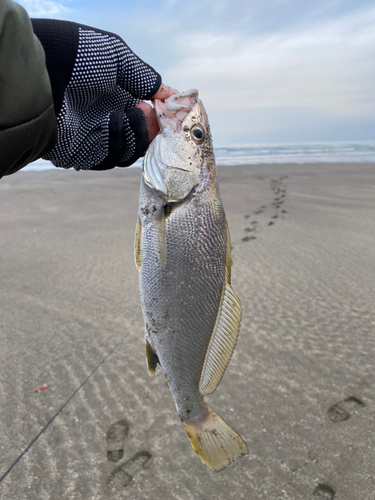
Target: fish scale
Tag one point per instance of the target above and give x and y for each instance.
(191, 261)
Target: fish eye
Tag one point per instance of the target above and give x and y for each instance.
(197, 132)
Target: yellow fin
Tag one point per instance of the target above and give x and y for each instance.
(214, 441)
(137, 244)
(152, 360)
(223, 341)
(225, 332)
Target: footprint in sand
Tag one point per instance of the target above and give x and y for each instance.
(116, 436)
(343, 410)
(248, 238)
(122, 475)
(279, 189)
(324, 492)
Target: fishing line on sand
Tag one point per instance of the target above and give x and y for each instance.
(59, 411)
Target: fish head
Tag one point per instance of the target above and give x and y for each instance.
(174, 160)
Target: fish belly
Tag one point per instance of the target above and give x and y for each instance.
(181, 293)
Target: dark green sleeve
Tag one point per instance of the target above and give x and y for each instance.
(28, 126)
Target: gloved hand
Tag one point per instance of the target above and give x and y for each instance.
(96, 83)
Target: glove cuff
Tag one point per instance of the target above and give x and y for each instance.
(60, 41)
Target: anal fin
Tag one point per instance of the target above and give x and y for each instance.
(153, 364)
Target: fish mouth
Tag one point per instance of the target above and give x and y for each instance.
(172, 112)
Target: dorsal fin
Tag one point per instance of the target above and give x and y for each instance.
(224, 337)
(153, 364)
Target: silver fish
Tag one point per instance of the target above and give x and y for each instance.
(182, 252)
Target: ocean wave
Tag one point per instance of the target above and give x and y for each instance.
(333, 152)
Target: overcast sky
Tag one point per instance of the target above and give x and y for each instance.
(267, 70)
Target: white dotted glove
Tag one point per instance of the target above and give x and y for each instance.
(96, 81)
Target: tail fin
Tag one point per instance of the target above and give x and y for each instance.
(214, 441)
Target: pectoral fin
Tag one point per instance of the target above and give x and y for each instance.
(161, 247)
(224, 337)
(153, 364)
(137, 244)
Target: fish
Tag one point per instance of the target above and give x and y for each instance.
(183, 255)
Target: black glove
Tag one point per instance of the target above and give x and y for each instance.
(96, 81)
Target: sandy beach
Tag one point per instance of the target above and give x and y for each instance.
(300, 388)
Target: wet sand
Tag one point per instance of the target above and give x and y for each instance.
(300, 388)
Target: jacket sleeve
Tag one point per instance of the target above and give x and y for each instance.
(28, 127)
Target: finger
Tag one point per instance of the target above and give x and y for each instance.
(151, 121)
(133, 74)
(164, 92)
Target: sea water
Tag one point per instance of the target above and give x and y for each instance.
(255, 154)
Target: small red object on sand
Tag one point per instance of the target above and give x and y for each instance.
(41, 388)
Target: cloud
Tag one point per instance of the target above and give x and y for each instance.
(326, 66)
(270, 70)
(44, 7)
